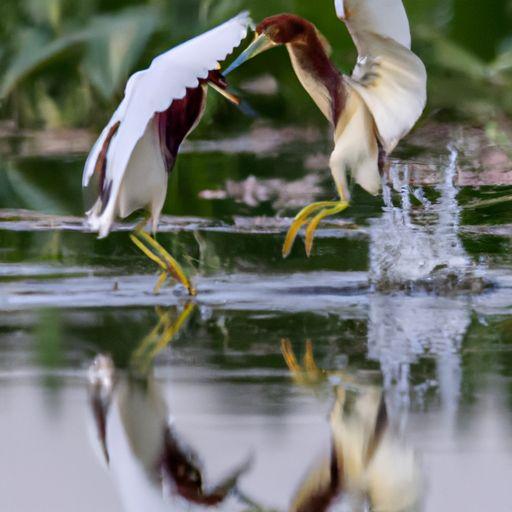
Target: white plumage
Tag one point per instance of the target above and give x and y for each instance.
(370, 110)
(355, 148)
(386, 18)
(135, 169)
(391, 477)
(388, 85)
(388, 75)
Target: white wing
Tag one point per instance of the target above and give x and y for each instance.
(386, 18)
(117, 116)
(393, 83)
(153, 90)
(389, 77)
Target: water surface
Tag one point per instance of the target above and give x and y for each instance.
(406, 302)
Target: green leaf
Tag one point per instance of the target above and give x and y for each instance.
(35, 53)
(111, 57)
(114, 45)
(503, 62)
(456, 58)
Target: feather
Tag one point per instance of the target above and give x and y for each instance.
(386, 18)
(147, 93)
(117, 116)
(356, 150)
(393, 83)
(390, 78)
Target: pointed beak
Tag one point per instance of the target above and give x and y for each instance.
(233, 98)
(340, 9)
(259, 45)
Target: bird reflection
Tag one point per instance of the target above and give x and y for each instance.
(369, 467)
(150, 463)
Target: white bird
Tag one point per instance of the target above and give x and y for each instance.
(369, 466)
(137, 149)
(150, 463)
(368, 461)
(370, 111)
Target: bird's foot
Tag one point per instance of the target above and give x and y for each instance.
(314, 214)
(307, 374)
(155, 252)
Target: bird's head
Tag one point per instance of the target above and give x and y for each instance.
(282, 28)
(273, 31)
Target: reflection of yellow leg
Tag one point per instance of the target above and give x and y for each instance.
(154, 251)
(159, 337)
(327, 208)
(339, 404)
(171, 330)
(308, 373)
(289, 356)
(309, 360)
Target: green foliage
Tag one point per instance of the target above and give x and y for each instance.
(65, 62)
(118, 46)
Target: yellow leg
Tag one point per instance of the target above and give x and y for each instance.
(155, 252)
(161, 281)
(327, 208)
(313, 225)
(300, 219)
(337, 410)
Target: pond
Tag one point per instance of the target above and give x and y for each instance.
(386, 357)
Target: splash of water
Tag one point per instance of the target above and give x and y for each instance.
(419, 248)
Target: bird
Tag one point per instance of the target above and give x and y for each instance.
(136, 151)
(369, 465)
(370, 111)
(151, 464)
(367, 459)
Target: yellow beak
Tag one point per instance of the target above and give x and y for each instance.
(260, 44)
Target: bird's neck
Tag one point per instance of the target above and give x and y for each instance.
(318, 75)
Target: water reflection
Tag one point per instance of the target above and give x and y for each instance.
(420, 272)
(420, 248)
(154, 467)
(369, 465)
(150, 463)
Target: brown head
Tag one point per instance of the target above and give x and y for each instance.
(274, 31)
(310, 57)
(285, 28)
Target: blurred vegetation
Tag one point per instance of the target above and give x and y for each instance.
(65, 62)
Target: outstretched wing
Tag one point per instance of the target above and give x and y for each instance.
(393, 83)
(153, 90)
(389, 77)
(386, 18)
(117, 117)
